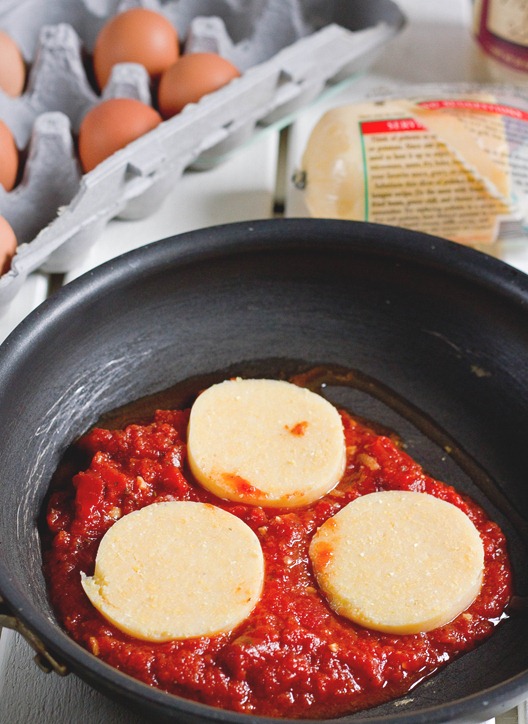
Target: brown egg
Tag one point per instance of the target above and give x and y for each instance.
(8, 158)
(12, 66)
(111, 125)
(8, 245)
(190, 78)
(137, 35)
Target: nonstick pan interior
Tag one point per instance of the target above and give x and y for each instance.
(434, 335)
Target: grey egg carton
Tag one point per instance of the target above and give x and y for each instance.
(288, 52)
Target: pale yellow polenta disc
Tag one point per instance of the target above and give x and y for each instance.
(399, 561)
(177, 570)
(265, 442)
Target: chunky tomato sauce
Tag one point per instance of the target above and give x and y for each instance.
(293, 656)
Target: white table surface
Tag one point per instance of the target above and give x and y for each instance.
(436, 45)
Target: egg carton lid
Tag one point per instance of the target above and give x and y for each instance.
(289, 52)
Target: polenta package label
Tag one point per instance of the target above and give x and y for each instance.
(456, 167)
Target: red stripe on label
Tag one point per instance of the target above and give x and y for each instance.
(394, 125)
(496, 108)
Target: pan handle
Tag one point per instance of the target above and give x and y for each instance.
(43, 658)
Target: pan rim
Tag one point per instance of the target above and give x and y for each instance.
(224, 240)
(246, 238)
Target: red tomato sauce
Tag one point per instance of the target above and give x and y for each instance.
(293, 656)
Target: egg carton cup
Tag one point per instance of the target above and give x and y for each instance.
(288, 52)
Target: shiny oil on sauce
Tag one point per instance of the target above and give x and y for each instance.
(293, 656)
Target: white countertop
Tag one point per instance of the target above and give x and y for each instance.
(254, 183)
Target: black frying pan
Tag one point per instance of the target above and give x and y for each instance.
(434, 335)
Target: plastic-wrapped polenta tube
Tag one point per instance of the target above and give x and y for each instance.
(442, 166)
